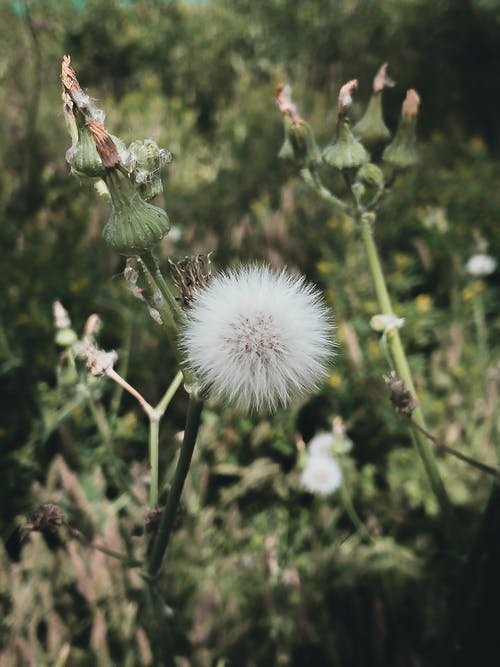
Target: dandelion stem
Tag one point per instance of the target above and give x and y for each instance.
(193, 418)
(401, 364)
(353, 515)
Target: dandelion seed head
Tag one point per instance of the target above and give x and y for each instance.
(321, 444)
(321, 476)
(481, 265)
(258, 338)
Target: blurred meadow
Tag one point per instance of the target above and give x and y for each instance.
(259, 572)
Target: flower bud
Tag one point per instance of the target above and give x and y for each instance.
(134, 226)
(370, 175)
(146, 162)
(402, 152)
(303, 143)
(371, 129)
(345, 152)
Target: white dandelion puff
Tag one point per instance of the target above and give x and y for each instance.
(321, 444)
(481, 265)
(258, 338)
(321, 476)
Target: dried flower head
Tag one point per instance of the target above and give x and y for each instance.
(97, 361)
(321, 476)
(258, 338)
(345, 94)
(403, 401)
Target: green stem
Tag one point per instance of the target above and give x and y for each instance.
(481, 331)
(312, 179)
(154, 432)
(490, 470)
(168, 515)
(169, 394)
(401, 364)
(353, 515)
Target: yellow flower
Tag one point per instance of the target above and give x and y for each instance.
(423, 303)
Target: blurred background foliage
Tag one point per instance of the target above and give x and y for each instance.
(259, 572)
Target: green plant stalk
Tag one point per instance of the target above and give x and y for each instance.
(171, 313)
(401, 364)
(154, 434)
(149, 268)
(193, 419)
(353, 515)
(481, 331)
(312, 179)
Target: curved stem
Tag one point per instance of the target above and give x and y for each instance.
(168, 515)
(312, 179)
(353, 515)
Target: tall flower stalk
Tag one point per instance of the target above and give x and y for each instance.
(367, 184)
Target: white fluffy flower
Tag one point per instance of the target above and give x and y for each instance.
(321, 444)
(258, 338)
(481, 265)
(321, 476)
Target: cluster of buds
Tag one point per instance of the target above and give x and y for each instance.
(348, 152)
(132, 175)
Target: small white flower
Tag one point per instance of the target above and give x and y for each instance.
(258, 338)
(321, 476)
(386, 322)
(321, 444)
(481, 265)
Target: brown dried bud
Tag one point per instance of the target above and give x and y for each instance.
(104, 144)
(47, 518)
(403, 401)
(152, 520)
(190, 275)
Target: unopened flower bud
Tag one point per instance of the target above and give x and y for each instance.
(345, 152)
(147, 162)
(371, 129)
(402, 152)
(134, 226)
(303, 143)
(370, 175)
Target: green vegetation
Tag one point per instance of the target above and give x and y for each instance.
(258, 572)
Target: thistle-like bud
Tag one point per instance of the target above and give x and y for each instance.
(402, 151)
(345, 152)
(371, 129)
(299, 145)
(134, 226)
(147, 160)
(370, 175)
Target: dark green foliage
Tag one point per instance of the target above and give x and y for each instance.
(199, 79)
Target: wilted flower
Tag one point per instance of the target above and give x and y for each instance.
(97, 361)
(481, 265)
(321, 476)
(258, 338)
